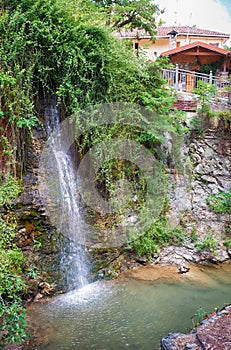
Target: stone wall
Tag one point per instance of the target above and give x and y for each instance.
(205, 168)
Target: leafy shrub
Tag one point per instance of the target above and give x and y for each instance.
(204, 92)
(199, 316)
(225, 116)
(158, 236)
(209, 243)
(13, 322)
(193, 236)
(220, 203)
(9, 190)
(13, 326)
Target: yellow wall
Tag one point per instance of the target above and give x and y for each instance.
(153, 49)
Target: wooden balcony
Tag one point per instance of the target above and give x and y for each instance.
(186, 81)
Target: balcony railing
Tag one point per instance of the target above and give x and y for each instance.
(185, 81)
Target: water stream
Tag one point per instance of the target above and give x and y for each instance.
(129, 313)
(61, 194)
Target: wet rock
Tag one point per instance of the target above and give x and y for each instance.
(38, 297)
(178, 256)
(214, 333)
(45, 288)
(229, 252)
(179, 341)
(217, 256)
(142, 260)
(183, 269)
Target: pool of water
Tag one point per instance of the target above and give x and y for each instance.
(127, 314)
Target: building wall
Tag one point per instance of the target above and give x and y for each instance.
(153, 49)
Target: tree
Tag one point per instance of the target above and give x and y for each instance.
(130, 14)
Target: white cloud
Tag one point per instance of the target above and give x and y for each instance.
(206, 14)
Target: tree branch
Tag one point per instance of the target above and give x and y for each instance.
(126, 21)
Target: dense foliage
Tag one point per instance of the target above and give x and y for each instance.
(52, 47)
(13, 326)
(130, 14)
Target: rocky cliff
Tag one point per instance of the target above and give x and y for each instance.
(206, 170)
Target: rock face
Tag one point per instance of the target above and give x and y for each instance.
(213, 333)
(36, 237)
(204, 168)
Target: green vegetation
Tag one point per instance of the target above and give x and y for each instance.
(199, 316)
(130, 14)
(227, 242)
(206, 68)
(158, 236)
(208, 242)
(51, 47)
(12, 286)
(10, 188)
(204, 92)
(225, 118)
(221, 202)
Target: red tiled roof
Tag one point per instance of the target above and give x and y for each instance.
(163, 32)
(195, 44)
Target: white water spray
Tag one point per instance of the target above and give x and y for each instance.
(63, 185)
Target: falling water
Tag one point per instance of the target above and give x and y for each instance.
(61, 191)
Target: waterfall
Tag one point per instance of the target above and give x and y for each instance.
(59, 188)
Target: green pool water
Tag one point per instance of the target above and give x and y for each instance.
(127, 314)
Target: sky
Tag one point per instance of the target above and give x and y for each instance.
(205, 14)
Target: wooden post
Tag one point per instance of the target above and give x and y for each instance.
(210, 77)
(177, 78)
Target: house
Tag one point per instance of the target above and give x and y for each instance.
(198, 54)
(171, 37)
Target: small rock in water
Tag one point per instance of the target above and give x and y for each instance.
(190, 346)
(183, 269)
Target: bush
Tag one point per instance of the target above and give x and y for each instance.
(220, 203)
(9, 191)
(209, 243)
(13, 326)
(158, 236)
